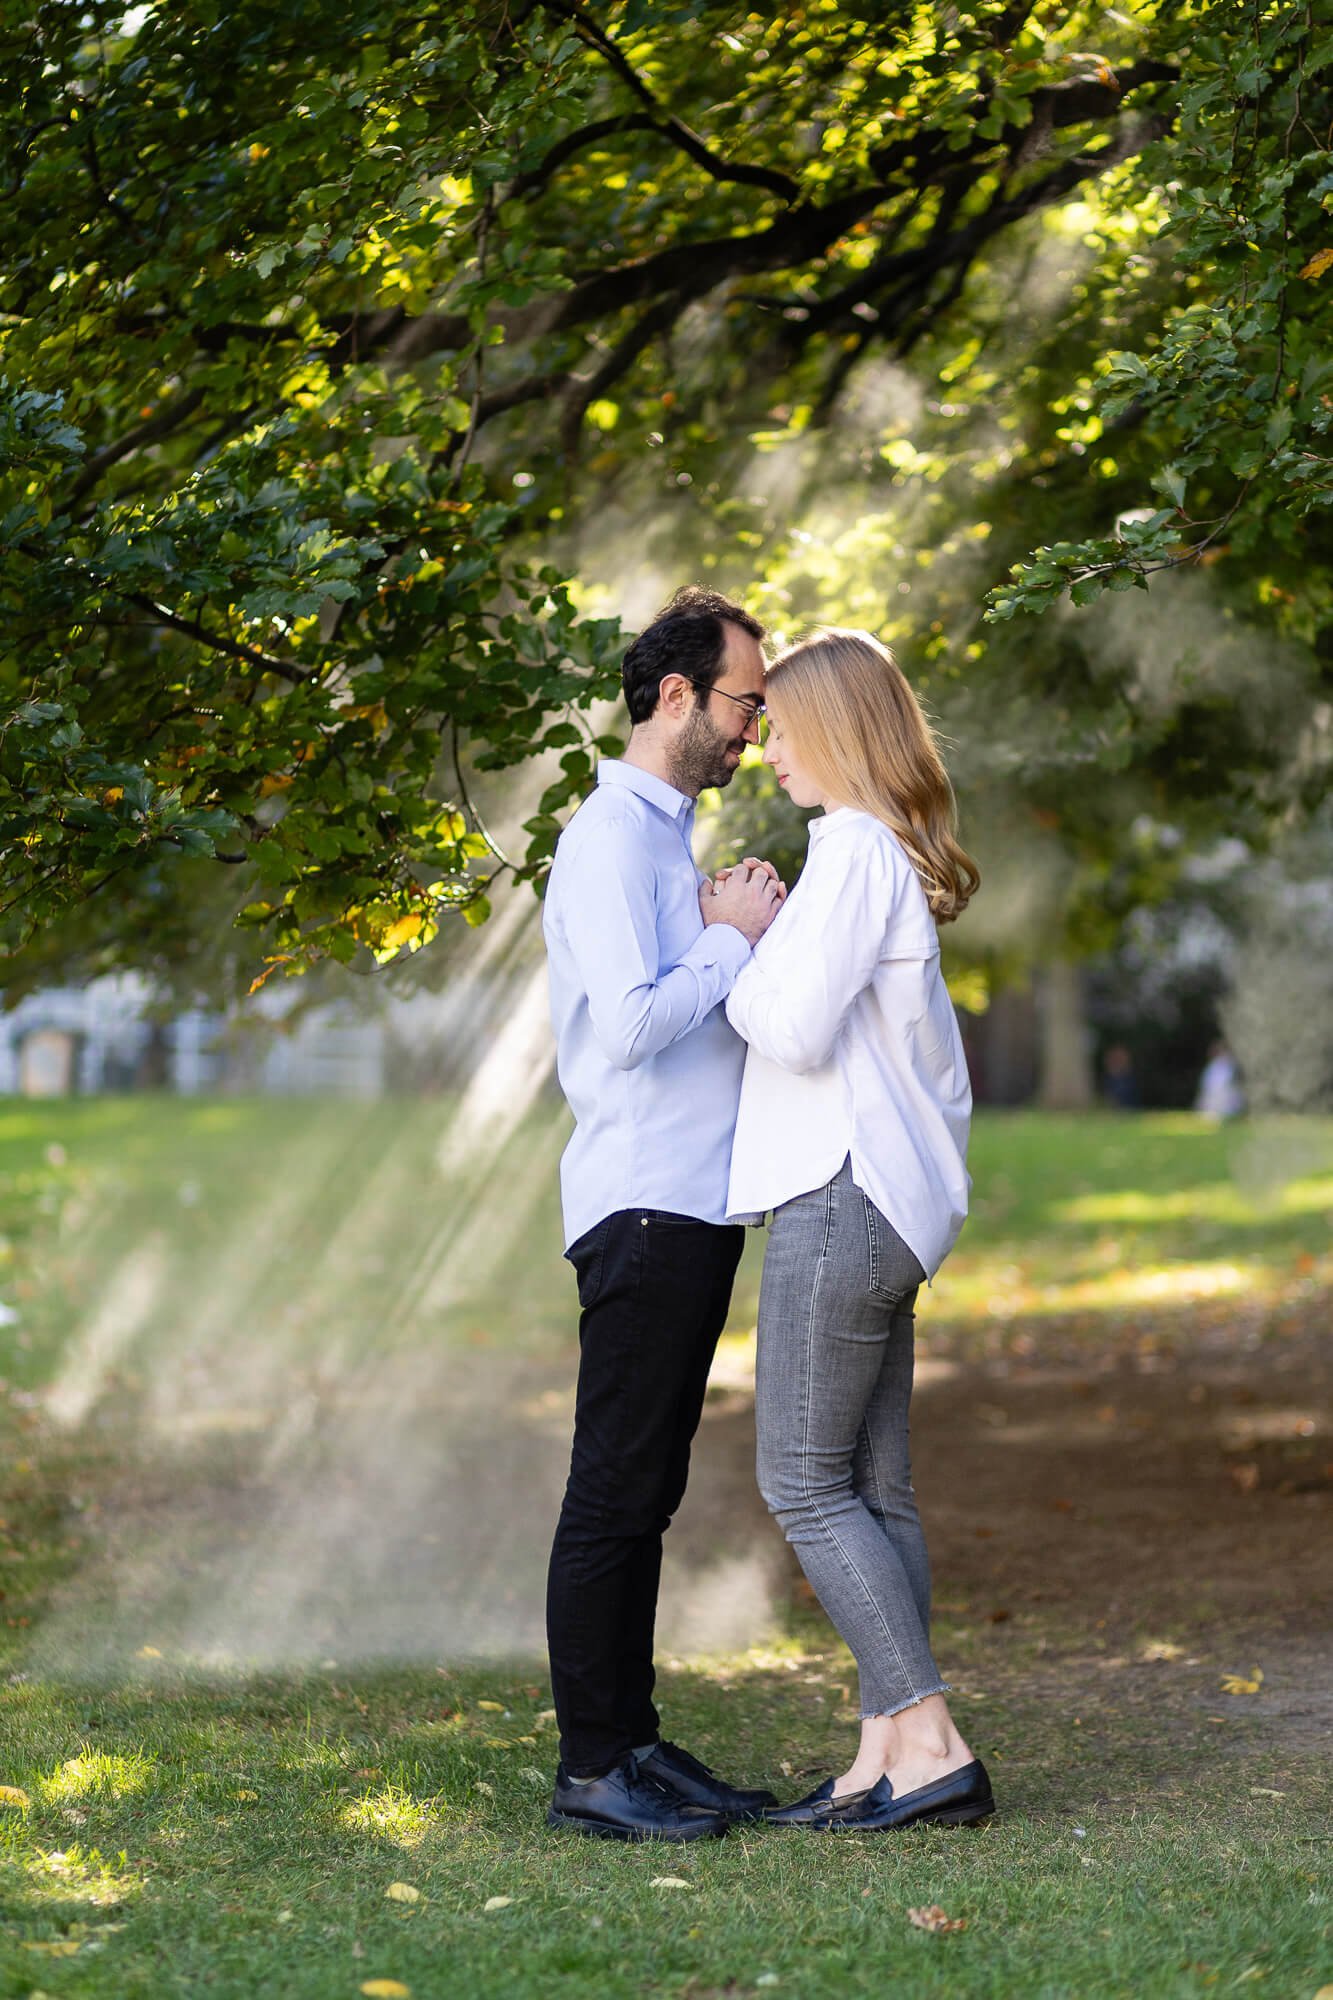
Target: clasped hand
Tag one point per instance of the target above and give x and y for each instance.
(747, 896)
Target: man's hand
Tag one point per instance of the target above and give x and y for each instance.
(748, 897)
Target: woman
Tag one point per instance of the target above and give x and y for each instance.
(853, 1130)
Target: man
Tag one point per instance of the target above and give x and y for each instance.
(642, 953)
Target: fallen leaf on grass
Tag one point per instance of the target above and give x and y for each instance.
(13, 1795)
(497, 1902)
(1162, 1649)
(668, 1882)
(492, 1707)
(1267, 1792)
(1245, 1478)
(245, 1795)
(385, 1989)
(1237, 1683)
(148, 1653)
(402, 1892)
(932, 1918)
(61, 1948)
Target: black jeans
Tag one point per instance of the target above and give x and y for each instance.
(654, 1289)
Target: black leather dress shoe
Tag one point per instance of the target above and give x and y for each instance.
(626, 1804)
(958, 1800)
(698, 1786)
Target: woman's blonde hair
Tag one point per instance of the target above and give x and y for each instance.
(859, 730)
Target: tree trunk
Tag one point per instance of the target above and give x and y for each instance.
(1066, 1066)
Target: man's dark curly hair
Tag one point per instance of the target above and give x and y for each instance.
(688, 636)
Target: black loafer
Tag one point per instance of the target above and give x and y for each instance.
(626, 1804)
(960, 1799)
(698, 1786)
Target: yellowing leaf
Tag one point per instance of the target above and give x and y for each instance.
(270, 967)
(402, 1892)
(492, 1707)
(277, 781)
(113, 794)
(61, 1948)
(1318, 264)
(148, 1653)
(13, 1795)
(385, 1989)
(1237, 1683)
(245, 1795)
(932, 1918)
(400, 933)
(668, 1882)
(497, 1902)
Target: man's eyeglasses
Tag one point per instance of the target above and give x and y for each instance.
(754, 710)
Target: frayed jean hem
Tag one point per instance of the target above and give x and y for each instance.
(912, 1701)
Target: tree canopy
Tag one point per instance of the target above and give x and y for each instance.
(322, 328)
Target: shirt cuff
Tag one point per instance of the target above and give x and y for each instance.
(721, 945)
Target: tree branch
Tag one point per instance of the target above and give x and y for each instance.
(171, 414)
(565, 149)
(216, 642)
(587, 389)
(673, 128)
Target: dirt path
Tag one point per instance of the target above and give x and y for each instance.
(1129, 1527)
(1125, 1531)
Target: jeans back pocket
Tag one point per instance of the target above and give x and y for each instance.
(895, 1270)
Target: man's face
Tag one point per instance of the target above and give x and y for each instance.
(717, 725)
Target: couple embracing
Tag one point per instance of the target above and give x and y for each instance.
(730, 1052)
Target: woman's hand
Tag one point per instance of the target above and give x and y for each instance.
(747, 896)
(752, 862)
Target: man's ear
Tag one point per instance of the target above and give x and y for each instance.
(673, 694)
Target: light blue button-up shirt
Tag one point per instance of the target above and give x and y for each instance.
(646, 1057)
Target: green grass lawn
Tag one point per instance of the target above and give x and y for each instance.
(176, 1828)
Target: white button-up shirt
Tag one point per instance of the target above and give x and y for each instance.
(854, 1046)
(646, 1058)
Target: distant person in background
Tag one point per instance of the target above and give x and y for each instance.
(853, 1130)
(652, 1071)
(1220, 1094)
(1119, 1084)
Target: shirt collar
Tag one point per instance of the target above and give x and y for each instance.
(820, 825)
(657, 792)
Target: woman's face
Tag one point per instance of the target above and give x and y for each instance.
(781, 752)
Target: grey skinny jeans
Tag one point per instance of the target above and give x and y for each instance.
(833, 1385)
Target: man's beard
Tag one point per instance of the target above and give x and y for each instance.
(698, 758)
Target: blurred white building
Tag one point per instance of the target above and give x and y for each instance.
(106, 1037)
